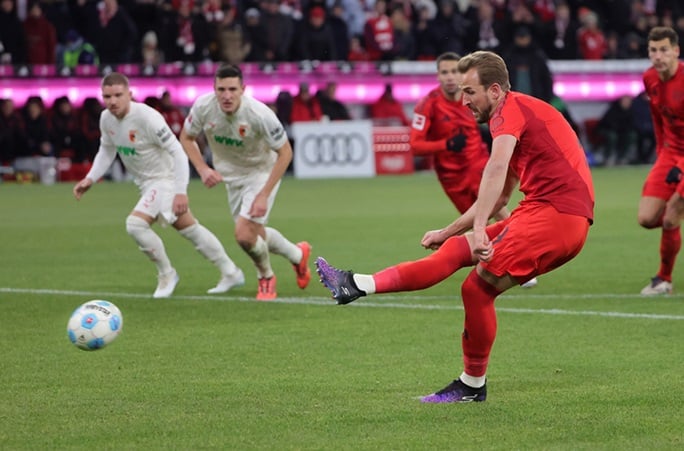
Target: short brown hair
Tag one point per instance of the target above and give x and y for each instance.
(115, 78)
(490, 67)
(448, 56)
(660, 33)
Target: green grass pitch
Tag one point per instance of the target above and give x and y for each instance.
(581, 362)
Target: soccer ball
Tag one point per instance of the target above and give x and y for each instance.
(94, 325)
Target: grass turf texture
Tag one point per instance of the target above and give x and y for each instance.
(580, 362)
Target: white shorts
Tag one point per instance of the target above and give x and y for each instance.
(241, 195)
(157, 201)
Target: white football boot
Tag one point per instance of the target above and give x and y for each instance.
(228, 282)
(167, 283)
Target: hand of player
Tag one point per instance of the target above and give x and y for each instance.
(433, 239)
(674, 176)
(210, 177)
(81, 187)
(456, 143)
(180, 204)
(259, 206)
(482, 247)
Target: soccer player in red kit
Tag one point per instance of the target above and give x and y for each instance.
(533, 145)
(446, 129)
(661, 202)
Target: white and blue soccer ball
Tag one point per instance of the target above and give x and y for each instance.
(94, 325)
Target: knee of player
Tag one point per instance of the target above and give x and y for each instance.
(245, 239)
(671, 222)
(648, 222)
(135, 224)
(246, 234)
(186, 222)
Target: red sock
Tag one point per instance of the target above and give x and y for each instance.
(453, 255)
(479, 331)
(670, 243)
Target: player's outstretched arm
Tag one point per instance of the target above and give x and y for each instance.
(103, 159)
(260, 205)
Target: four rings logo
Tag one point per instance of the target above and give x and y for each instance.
(334, 149)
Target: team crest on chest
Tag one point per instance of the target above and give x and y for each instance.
(131, 135)
(242, 130)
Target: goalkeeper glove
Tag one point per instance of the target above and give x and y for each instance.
(456, 143)
(674, 176)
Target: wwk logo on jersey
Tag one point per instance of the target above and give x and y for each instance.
(127, 151)
(228, 141)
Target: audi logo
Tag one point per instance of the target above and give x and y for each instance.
(334, 149)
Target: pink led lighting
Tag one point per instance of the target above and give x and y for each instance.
(351, 89)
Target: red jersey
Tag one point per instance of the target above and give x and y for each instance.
(548, 158)
(174, 118)
(592, 44)
(378, 34)
(305, 111)
(388, 110)
(667, 109)
(435, 120)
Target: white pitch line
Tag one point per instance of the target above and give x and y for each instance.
(313, 300)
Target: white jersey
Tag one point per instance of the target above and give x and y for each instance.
(241, 143)
(146, 145)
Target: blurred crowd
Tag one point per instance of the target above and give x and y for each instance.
(62, 137)
(34, 132)
(527, 33)
(68, 32)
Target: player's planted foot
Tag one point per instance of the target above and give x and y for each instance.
(457, 391)
(340, 283)
(657, 287)
(167, 283)
(228, 281)
(267, 289)
(302, 268)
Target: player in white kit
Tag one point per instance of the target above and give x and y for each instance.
(154, 157)
(250, 154)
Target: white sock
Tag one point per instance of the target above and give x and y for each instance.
(210, 247)
(365, 282)
(149, 242)
(280, 245)
(473, 381)
(261, 258)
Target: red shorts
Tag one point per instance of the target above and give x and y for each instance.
(463, 191)
(655, 185)
(534, 240)
(463, 197)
